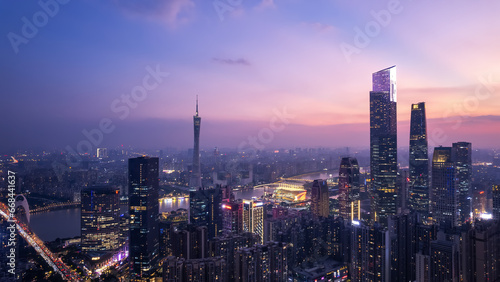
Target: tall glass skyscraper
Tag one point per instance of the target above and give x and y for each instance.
(444, 205)
(196, 174)
(349, 189)
(383, 144)
(419, 161)
(462, 152)
(144, 241)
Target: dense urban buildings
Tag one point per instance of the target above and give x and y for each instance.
(320, 203)
(350, 206)
(383, 144)
(144, 216)
(418, 196)
(100, 219)
(263, 217)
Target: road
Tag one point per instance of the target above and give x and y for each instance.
(42, 250)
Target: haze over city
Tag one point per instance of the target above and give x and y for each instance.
(245, 62)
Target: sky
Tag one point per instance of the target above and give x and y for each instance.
(268, 74)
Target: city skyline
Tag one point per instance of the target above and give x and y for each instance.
(72, 90)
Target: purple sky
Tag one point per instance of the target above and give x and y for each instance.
(311, 60)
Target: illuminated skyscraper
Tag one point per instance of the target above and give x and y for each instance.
(253, 218)
(383, 144)
(349, 189)
(100, 219)
(463, 161)
(419, 161)
(444, 204)
(143, 208)
(320, 203)
(196, 174)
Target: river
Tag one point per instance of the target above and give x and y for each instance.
(66, 223)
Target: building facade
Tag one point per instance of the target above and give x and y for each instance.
(144, 216)
(100, 219)
(383, 144)
(418, 196)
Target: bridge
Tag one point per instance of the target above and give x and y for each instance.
(30, 237)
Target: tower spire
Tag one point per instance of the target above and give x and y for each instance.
(196, 105)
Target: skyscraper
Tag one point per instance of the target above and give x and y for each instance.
(196, 174)
(349, 189)
(383, 144)
(419, 161)
(100, 219)
(320, 203)
(253, 218)
(496, 201)
(143, 207)
(205, 210)
(444, 205)
(463, 161)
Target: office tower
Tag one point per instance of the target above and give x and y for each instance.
(370, 253)
(144, 218)
(444, 205)
(444, 257)
(195, 181)
(320, 202)
(253, 218)
(496, 201)
(232, 217)
(100, 219)
(349, 189)
(480, 251)
(207, 269)
(419, 161)
(205, 210)
(463, 163)
(383, 144)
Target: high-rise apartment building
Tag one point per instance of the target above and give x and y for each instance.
(320, 202)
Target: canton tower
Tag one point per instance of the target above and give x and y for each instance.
(196, 174)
